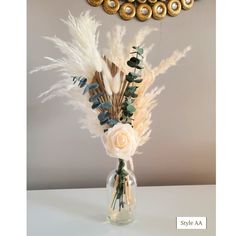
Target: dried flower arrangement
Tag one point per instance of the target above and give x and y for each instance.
(114, 91)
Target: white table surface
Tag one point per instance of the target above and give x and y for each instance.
(81, 212)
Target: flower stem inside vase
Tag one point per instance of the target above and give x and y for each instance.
(122, 184)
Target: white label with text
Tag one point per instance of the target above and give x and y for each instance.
(191, 222)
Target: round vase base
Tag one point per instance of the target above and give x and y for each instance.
(122, 217)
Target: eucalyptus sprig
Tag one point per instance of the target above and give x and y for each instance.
(133, 78)
(121, 174)
(101, 105)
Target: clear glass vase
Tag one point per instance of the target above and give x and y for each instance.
(121, 187)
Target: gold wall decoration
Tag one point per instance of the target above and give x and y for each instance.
(143, 9)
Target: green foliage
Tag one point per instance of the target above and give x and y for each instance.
(80, 80)
(106, 105)
(75, 79)
(112, 122)
(131, 77)
(138, 51)
(122, 174)
(135, 62)
(90, 87)
(138, 81)
(128, 108)
(96, 104)
(130, 91)
(95, 97)
(131, 109)
(103, 116)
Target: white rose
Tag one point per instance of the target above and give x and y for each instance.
(120, 141)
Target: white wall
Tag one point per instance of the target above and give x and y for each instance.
(182, 148)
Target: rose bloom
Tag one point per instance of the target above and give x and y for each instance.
(120, 141)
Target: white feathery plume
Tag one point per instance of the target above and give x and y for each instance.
(141, 36)
(142, 117)
(171, 61)
(138, 40)
(81, 55)
(49, 94)
(85, 37)
(115, 47)
(65, 88)
(89, 120)
(146, 101)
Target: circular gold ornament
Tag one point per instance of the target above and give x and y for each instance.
(95, 3)
(127, 11)
(141, 15)
(159, 10)
(174, 7)
(187, 4)
(111, 6)
(152, 1)
(143, 9)
(141, 1)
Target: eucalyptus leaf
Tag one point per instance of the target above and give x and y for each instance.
(132, 76)
(106, 105)
(75, 79)
(139, 50)
(138, 80)
(127, 93)
(132, 89)
(139, 67)
(112, 122)
(131, 109)
(127, 113)
(135, 60)
(96, 104)
(134, 95)
(103, 116)
(131, 64)
(103, 122)
(129, 78)
(90, 86)
(95, 97)
(134, 65)
(82, 82)
(129, 101)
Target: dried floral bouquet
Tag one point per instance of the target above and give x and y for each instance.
(114, 91)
